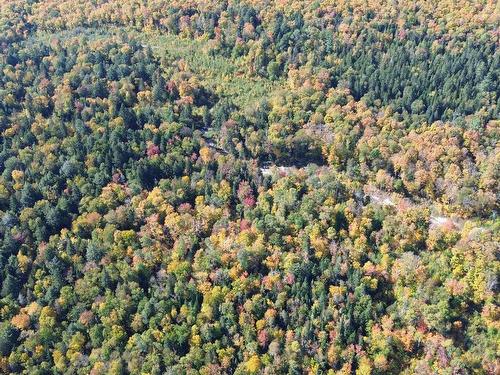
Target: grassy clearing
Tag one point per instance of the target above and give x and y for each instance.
(222, 75)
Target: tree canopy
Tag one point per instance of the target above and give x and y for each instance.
(238, 187)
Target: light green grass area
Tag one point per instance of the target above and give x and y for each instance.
(222, 75)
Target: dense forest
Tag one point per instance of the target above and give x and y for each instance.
(249, 187)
